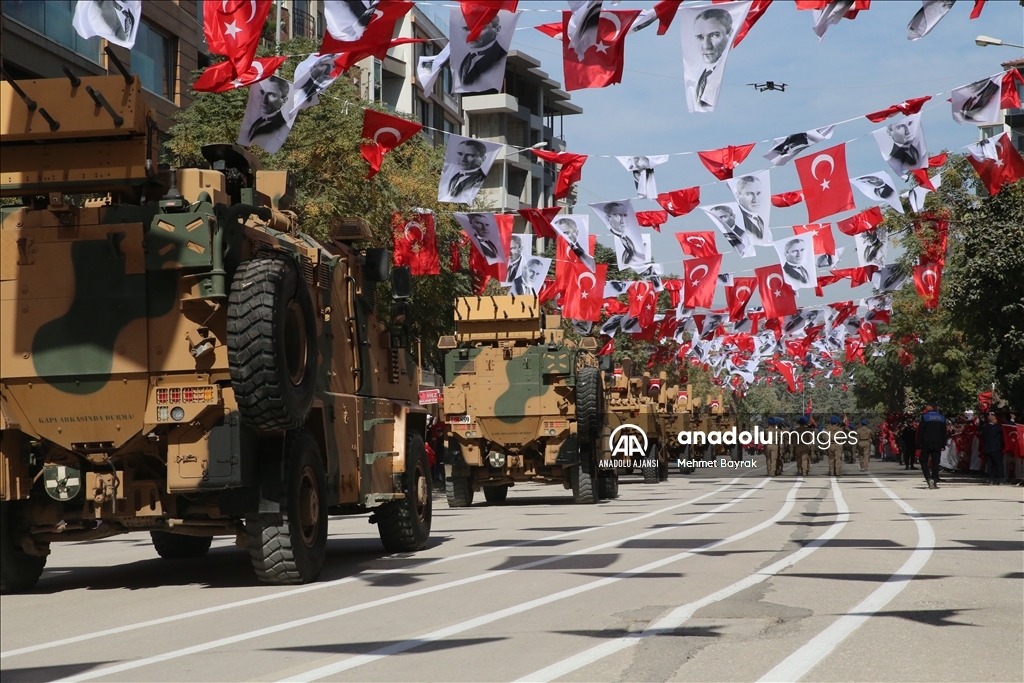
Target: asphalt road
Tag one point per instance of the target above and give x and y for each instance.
(704, 577)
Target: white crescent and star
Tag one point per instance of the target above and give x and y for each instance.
(386, 129)
(934, 277)
(693, 273)
(614, 18)
(821, 158)
(419, 230)
(743, 288)
(768, 282)
(584, 275)
(696, 239)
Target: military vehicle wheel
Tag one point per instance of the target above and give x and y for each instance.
(662, 471)
(272, 343)
(588, 404)
(608, 484)
(404, 525)
(651, 473)
(496, 494)
(582, 477)
(289, 547)
(178, 546)
(459, 491)
(19, 571)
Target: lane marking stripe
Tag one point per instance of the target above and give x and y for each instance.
(297, 623)
(681, 614)
(795, 666)
(339, 582)
(455, 629)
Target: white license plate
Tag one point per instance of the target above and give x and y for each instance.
(459, 419)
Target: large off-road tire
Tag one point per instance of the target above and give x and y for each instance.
(588, 405)
(651, 473)
(19, 571)
(272, 350)
(289, 548)
(584, 479)
(404, 525)
(178, 546)
(663, 470)
(459, 491)
(608, 484)
(496, 494)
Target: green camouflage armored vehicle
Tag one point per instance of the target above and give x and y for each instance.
(177, 357)
(633, 437)
(521, 403)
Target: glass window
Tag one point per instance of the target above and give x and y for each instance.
(153, 59)
(53, 19)
(378, 81)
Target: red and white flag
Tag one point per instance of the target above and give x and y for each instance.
(222, 77)
(825, 182)
(777, 297)
(928, 282)
(584, 294)
(643, 301)
(698, 244)
(737, 297)
(701, 276)
(652, 219)
(996, 161)
(721, 162)
(369, 35)
(861, 222)
(824, 242)
(907, 108)
(416, 243)
(540, 219)
(571, 171)
(663, 12)
(385, 132)
(479, 13)
(593, 57)
(784, 199)
(233, 28)
(753, 14)
(680, 202)
(565, 260)
(786, 369)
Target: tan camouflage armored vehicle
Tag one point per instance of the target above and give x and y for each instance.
(714, 415)
(674, 416)
(178, 358)
(521, 403)
(633, 438)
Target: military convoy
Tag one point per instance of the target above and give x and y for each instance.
(179, 358)
(521, 403)
(633, 409)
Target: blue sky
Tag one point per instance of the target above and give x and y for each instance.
(861, 66)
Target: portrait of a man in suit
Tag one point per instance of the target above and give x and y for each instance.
(264, 123)
(530, 281)
(615, 215)
(569, 229)
(113, 20)
(794, 268)
(479, 65)
(312, 77)
(977, 102)
(713, 33)
(750, 197)
(515, 258)
(118, 16)
(725, 219)
(485, 241)
(902, 144)
(347, 19)
(464, 173)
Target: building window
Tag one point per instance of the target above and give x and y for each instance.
(378, 81)
(153, 59)
(990, 131)
(52, 18)
(449, 128)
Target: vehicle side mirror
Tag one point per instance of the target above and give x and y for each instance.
(377, 265)
(401, 283)
(606, 364)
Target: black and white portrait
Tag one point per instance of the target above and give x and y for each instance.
(575, 230)
(793, 325)
(753, 194)
(646, 269)
(829, 260)
(765, 343)
(889, 278)
(871, 247)
(927, 17)
(347, 19)
(520, 249)
(796, 254)
(978, 102)
(265, 122)
(114, 20)
(729, 220)
(483, 231)
(879, 187)
(620, 219)
(583, 20)
(312, 77)
(916, 195)
(429, 67)
(631, 325)
(616, 288)
(467, 162)
(642, 168)
(902, 144)
(612, 325)
(785, 149)
(707, 33)
(531, 277)
(479, 66)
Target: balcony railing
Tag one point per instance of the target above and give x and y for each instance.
(303, 24)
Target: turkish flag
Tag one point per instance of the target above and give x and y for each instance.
(642, 302)
(376, 39)
(777, 297)
(571, 171)
(479, 268)
(699, 244)
(911, 106)
(928, 282)
(868, 331)
(554, 29)
(824, 242)
(701, 276)
(565, 259)
(854, 350)
(680, 202)
(753, 14)
(721, 162)
(584, 293)
(222, 77)
(786, 369)
(861, 222)
(737, 296)
(996, 162)
(416, 243)
(386, 132)
(1009, 95)
(665, 11)
(674, 287)
(608, 348)
(540, 219)
(652, 219)
(479, 13)
(825, 193)
(601, 63)
(784, 199)
(233, 28)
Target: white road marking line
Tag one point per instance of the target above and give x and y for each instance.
(338, 582)
(795, 666)
(681, 614)
(360, 660)
(269, 630)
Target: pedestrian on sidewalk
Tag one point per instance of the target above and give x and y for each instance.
(864, 436)
(932, 434)
(992, 446)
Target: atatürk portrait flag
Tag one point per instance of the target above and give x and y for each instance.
(825, 182)
(116, 21)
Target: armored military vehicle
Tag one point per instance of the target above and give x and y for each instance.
(177, 357)
(521, 403)
(633, 437)
(674, 415)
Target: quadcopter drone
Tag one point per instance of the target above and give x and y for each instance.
(770, 85)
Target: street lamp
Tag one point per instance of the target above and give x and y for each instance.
(504, 168)
(984, 41)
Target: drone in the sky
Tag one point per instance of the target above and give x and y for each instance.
(769, 85)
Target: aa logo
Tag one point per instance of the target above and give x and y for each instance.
(628, 441)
